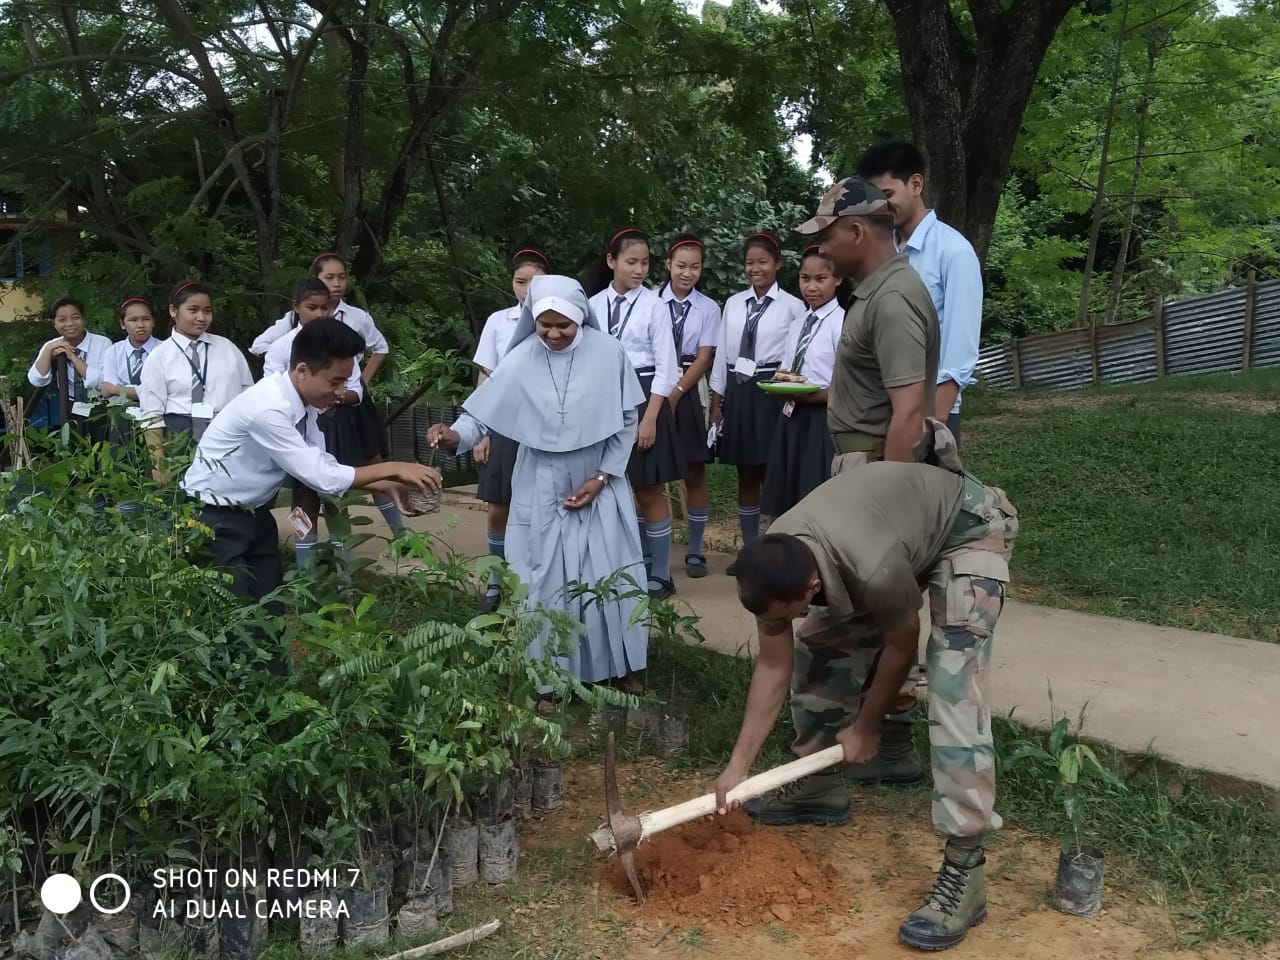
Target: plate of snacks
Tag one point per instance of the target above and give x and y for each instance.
(786, 383)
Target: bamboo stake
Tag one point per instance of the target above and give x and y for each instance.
(463, 939)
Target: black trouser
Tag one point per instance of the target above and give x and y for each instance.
(953, 424)
(246, 545)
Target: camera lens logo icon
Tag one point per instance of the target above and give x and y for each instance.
(61, 893)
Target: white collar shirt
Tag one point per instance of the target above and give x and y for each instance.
(820, 354)
(254, 444)
(279, 354)
(645, 332)
(701, 326)
(94, 348)
(355, 318)
(121, 366)
(496, 337)
(167, 376)
(783, 313)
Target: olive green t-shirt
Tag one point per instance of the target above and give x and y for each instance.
(890, 339)
(876, 532)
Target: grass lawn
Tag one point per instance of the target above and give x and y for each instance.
(1157, 502)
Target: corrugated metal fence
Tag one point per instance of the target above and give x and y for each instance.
(1215, 333)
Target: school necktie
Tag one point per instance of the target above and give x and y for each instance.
(807, 333)
(78, 391)
(615, 315)
(197, 385)
(135, 366)
(302, 427)
(679, 315)
(747, 346)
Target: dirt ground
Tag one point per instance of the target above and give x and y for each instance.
(731, 890)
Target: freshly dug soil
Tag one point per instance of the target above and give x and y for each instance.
(726, 869)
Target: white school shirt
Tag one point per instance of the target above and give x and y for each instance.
(496, 337)
(279, 355)
(253, 445)
(167, 376)
(646, 335)
(701, 327)
(94, 347)
(785, 312)
(355, 318)
(820, 358)
(116, 369)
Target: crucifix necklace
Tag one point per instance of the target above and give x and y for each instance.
(563, 397)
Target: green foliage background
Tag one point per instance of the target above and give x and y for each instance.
(485, 126)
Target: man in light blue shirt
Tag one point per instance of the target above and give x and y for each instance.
(945, 261)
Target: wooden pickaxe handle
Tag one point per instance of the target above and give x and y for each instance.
(655, 821)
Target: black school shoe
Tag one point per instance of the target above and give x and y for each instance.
(695, 566)
(667, 589)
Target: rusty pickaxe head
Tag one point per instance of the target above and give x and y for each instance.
(625, 827)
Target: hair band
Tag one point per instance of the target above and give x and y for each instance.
(327, 255)
(690, 241)
(189, 283)
(137, 300)
(767, 236)
(623, 232)
(537, 253)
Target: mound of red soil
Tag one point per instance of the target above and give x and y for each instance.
(728, 870)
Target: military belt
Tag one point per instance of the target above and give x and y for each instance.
(854, 441)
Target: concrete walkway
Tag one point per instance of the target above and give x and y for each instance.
(1203, 700)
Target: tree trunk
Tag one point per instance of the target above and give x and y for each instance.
(966, 97)
(1126, 232)
(1100, 188)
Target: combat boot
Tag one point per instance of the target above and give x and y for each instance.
(896, 764)
(820, 798)
(957, 902)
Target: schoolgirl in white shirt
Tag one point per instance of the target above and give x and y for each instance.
(188, 378)
(83, 353)
(695, 325)
(802, 450)
(638, 317)
(122, 372)
(757, 323)
(496, 454)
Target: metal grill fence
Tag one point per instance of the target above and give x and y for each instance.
(1223, 332)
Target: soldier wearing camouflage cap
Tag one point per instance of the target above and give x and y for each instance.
(851, 559)
(883, 383)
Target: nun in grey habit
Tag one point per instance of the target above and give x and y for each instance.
(566, 393)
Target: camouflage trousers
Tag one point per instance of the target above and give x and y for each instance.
(836, 660)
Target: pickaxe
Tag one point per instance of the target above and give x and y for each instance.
(625, 831)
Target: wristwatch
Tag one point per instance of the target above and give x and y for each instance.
(602, 477)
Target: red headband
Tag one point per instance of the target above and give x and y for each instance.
(537, 253)
(623, 232)
(190, 283)
(812, 248)
(691, 241)
(327, 255)
(768, 236)
(140, 300)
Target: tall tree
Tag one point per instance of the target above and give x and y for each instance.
(967, 83)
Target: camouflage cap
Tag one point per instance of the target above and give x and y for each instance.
(850, 197)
